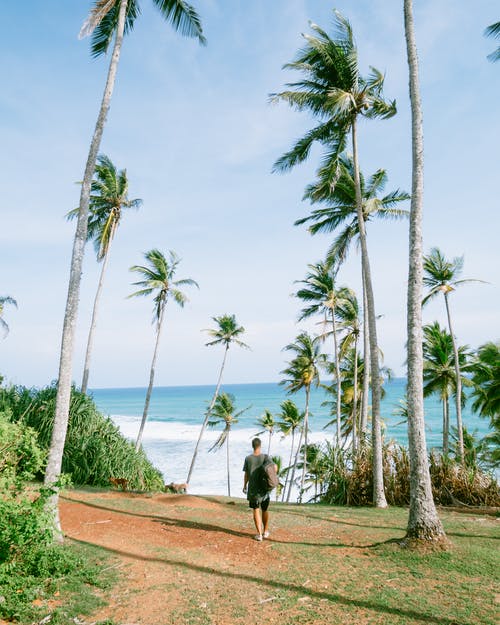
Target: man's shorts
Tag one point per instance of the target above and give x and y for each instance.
(260, 502)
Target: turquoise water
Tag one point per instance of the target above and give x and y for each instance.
(176, 413)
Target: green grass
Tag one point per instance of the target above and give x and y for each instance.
(324, 564)
(65, 582)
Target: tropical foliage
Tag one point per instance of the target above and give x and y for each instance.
(158, 281)
(6, 299)
(494, 31)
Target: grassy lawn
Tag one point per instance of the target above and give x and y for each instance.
(323, 564)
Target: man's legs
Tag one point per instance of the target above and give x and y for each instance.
(257, 519)
(265, 520)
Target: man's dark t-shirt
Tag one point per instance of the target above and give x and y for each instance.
(251, 466)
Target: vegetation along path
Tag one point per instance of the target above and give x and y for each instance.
(186, 559)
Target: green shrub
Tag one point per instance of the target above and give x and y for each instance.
(349, 481)
(95, 449)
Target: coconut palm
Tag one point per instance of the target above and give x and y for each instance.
(333, 90)
(494, 31)
(158, 281)
(224, 411)
(423, 521)
(322, 297)
(291, 419)
(268, 422)
(439, 371)
(441, 276)
(486, 381)
(108, 198)
(348, 314)
(226, 333)
(338, 213)
(301, 374)
(108, 22)
(5, 299)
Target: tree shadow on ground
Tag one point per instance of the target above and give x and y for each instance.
(285, 586)
(208, 527)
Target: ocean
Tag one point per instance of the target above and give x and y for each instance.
(176, 414)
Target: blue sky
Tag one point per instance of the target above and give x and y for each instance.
(198, 137)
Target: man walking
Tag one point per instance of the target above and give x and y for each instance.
(255, 488)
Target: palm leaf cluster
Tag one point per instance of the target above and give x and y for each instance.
(5, 299)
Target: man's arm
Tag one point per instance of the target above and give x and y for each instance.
(245, 482)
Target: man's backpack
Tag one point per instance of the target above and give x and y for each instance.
(268, 476)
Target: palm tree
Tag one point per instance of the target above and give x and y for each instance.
(322, 297)
(348, 314)
(440, 276)
(439, 371)
(291, 419)
(335, 92)
(226, 333)
(268, 423)
(108, 19)
(338, 213)
(302, 372)
(493, 31)
(224, 411)
(486, 381)
(109, 196)
(6, 299)
(158, 281)
(423, 521)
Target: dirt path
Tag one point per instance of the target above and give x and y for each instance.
(188, 560)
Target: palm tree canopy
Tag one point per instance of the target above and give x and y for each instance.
(347, 313)
(441, 275)
(291, 417)
(226, 332)
(108, 196)
(318, 290)
(103, 20)
(340, 206)
(224, 411)
(266, 421)
(303, 369)
(332, 89)
(486, 380)
(439, 362)
(494, 31)
(5, 299)
(158, 279)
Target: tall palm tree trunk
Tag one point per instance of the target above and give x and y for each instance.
(269, 444)
(458, 375)
(93, 322)
(446, 424)
(289, 466)
(207, 416)
(151, 379)
(379, 499)
(295, 462)
(354, 414)
(61, 416)
(365, 384)
(227, 464)
(306, 432)
(423, 521)
(337, 376)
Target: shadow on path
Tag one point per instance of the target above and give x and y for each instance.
(333, 597)
(208, 527)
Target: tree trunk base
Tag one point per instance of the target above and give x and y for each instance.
(426, 538)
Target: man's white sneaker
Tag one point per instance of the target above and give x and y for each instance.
(258, 537)
(265, 535)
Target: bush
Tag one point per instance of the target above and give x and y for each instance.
(95, 449)
(349, 481)
(30, 566)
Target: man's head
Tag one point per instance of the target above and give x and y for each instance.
(256, 444)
